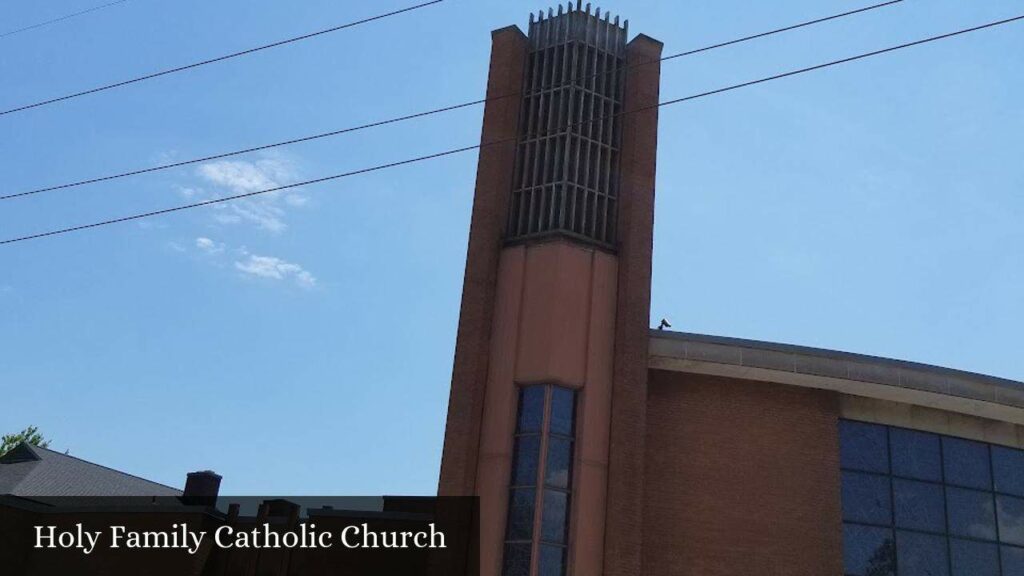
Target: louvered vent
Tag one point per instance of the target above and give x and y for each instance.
(567, 163)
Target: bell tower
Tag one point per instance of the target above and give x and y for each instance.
(545, 418)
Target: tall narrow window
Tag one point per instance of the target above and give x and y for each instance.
(537, 532)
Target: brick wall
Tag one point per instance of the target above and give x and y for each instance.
(622, 544)
(490, 202)
(740, 478)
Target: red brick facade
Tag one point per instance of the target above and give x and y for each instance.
(636, 239)
(490, 203)
(675, 475)
(741, 478)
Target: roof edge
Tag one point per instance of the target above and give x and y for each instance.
(61, 454)
(509, 28)
(860, 375)
(834, 354)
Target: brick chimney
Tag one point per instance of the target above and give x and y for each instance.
(201, 488)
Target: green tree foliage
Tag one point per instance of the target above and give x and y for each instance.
(30, 435)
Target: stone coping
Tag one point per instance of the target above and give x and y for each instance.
(680, 351)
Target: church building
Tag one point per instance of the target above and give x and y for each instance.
(598, 446)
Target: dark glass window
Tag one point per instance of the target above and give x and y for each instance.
(563, 411)
(554, 522)
(868, 551)
(919, 505)
(866, 498)
(520, 513)
(969, 558)
(916, 454)
(921, 554)
(559, 465)
(922, 504)
(541, 482)
(1011, 520)
(863, 446)
(971, 513)
(1012, 560)
(1008, 468)
(525, 460)
(531, 409)
(552, 560)
(517, 560)
(966, 463)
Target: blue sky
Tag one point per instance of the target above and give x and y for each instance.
(303, 343)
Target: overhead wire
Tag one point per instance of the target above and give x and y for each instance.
(60, 19)
(216, 59)
(510, 139)
(398, 119)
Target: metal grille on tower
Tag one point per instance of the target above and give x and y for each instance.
(567, 164)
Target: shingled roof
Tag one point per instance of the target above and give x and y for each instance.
(33, 471)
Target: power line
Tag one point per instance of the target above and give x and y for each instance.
(511, 139)
(217, 59)
(66, 17)
(245, 195)
(783, 29)
(419, 114)
(246, 150)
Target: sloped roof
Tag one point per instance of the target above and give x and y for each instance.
(33, 471)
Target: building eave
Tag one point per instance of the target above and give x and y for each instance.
(854, 374)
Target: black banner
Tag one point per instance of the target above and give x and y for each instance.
(243, 536)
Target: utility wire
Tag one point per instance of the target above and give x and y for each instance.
(511, 139)
(783, 29)
(55, 20)
(246, 150)
(217, 59)
(420, 114)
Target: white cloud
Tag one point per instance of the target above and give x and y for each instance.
(265, 215)
(268, 267)
(265, 211)
(241, 176)
(276, 269)
(232, 177)
(209, 246)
